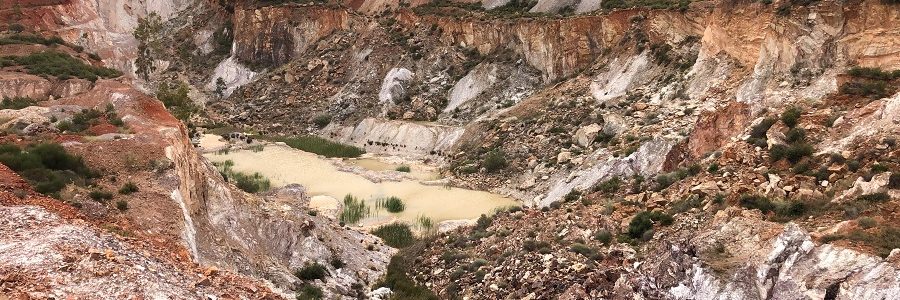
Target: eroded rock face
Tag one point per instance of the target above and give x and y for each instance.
(762, 260)
(50, 252)
(23, 85)
(715, 129)
(271, 36)
(399, 138)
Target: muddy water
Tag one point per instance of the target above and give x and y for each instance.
(417, 171)
(284, 165)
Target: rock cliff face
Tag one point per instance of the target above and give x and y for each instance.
(271, 36)
(104, 27)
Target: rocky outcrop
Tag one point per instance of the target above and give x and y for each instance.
(407, 139)
(481, 78)
(23, 85)
(715, 129)
(103, 27)
(45, 256)
(271, 36)
(762, 261)
(648, 160)
(232, 73)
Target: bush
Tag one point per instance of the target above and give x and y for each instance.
(483, 222)
(322, 120)
(28, 38)
(122, 205)
(403, 168)
(873, 73)
(47, 167)
(251, 183)
(795, 135)
(583, 249)
(603, 236)
(397, 235)
(391, 204)
(533, 245)
(866, 222)
(312, 271)
(128, 188)
(643, 221)
(337, 263)
(791, 116)
(321, 146)
(402, 286)
(17, 102)
(354, 210)
(61, 66)
(787, 209)
(874, 197)
(610, 186)
(175, 97)
(101, 196)
(310, 292)
(494, 161)
(572, 195)
(870, 89)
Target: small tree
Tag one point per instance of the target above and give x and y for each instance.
(221, 87)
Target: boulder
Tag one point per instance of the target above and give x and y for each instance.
(585, 135)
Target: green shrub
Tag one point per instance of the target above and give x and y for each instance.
(534, 245)
(403, 168)
(322, 120)
(885, 241)
(643, 221)
(312, 271)
(795, 135)
(483, 222)
(337, 263)
(101, 196)
(175, 97)
(583, 249)
(494, 161)
(791, 116)
(784, 209)
(870, 89)
(874, 197)
(572, 195)
(397, 235)
(47, 167)
(391, 204)
(866, 222)
(873, 73)
(354, 210)
(403, 287)
(128, 188)
(122, 205)
(251, 183)
(17, 103)
(603, 236)
(320, 146)
(610, 186)
(310, 292)
(61, 66)
(29, 39)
